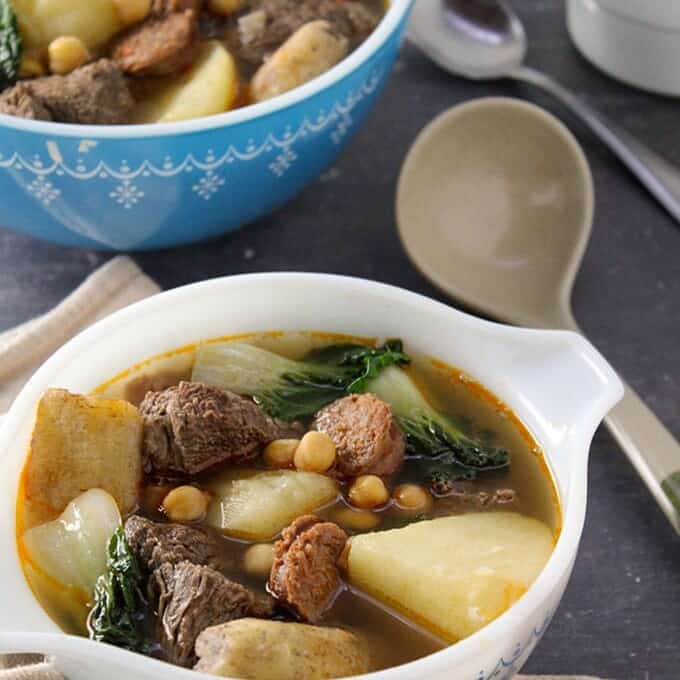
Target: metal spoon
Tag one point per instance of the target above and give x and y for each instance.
(495, 206)
(484, 39)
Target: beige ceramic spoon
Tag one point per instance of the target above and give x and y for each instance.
(495, 206)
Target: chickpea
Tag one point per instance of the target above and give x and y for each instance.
(368, 491)
(357, 520)
(413, 498)
(258, 559)
(132, 11)
(225, 6)
(316, 452)
(185, 504)
(280, 452)
(66, 53)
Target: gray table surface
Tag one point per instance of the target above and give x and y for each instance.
(620, 617)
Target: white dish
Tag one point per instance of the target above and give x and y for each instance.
(555, 381)
(636, 42)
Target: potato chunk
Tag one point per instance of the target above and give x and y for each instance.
(257, 505)
(41, 21)
(72, 548)
(276, 650)
(80, 443)
(310, 51)
(209, 87)
(452, 574)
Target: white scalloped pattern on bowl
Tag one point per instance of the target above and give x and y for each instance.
(127, 190)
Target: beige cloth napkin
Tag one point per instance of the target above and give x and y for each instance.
(116, 284)
(22, 349)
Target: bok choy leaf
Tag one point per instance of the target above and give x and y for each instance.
(290, 389)
(432, 435)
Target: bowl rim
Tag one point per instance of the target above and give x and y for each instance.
(573, 503)
(385, 29)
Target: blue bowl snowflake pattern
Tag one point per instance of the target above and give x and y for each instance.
(156, 191)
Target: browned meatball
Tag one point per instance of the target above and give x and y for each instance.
(304, 576)
(158, 46)
(366, 436)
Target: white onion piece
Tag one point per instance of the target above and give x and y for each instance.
(72, 548)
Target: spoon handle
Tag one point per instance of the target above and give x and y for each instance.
(649, 446)
(652, 450)
(660, 177)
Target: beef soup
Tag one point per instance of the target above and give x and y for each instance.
(146, 61)
(292, 505)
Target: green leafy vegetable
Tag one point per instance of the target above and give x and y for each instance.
(291, 389)
(432, 435)
(371, 362)
(10, 45)
(117, 616)
(298, 389)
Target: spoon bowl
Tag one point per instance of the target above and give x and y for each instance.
(495, 205)
(480, 40)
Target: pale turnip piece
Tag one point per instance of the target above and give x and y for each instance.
(452, 574)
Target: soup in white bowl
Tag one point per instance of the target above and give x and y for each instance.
(371, 535)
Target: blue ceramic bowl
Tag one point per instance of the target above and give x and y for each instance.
(153, 186)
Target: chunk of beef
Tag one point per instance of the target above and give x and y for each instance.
(458, 492)
(158, 46)
(21, 101)
(94, 94)
(156, 543)
(304, 576)
(366, 436)
(137, 389)
(190, 598)
(269, 23)
(191, 427)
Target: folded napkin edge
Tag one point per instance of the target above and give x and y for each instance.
(27, 343)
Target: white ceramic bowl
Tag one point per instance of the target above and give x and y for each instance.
(635, 41)
(555, 381)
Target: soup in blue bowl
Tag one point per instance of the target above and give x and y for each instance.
(160, 167)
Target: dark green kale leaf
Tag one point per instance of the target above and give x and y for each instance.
(11, 47)
(119, 609)
(440, 441)
(370, 362)
(433, 436)
(328, 374)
